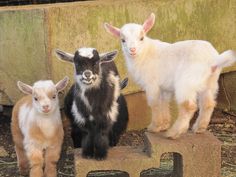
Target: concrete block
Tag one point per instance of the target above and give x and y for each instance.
(195, 155)
(122, 158)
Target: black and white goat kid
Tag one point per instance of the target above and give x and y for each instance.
(94, 104)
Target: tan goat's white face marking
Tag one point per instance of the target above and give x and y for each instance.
(45, 98)
(132, 37)
(86, 52)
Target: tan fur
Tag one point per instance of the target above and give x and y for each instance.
(181, 125)
(17, 135)
(187, 106)
(33, 157)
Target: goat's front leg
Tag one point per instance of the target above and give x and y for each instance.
(52, 155)
(101, 140)
(35, 157)
(181, 125)
(88, 145)
(22, 160)
(159, 103)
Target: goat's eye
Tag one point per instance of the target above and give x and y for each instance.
(123, 40)
(54, 97)
(141, 39)
(35, 98)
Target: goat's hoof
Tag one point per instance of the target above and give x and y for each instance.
(100, 155)
(156, 129)
(23, 172)
(199, 130)
(99, 158)
(171, 134)
(87, 155)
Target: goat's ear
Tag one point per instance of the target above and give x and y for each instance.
(112, 30)
(64, 55)
(149, 22)
(61, 85)
(108, 57)
(27, 89)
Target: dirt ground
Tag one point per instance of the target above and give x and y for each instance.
(223, 125)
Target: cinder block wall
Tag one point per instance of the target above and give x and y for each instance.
(29, 34)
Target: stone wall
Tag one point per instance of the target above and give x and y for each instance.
(29, 34)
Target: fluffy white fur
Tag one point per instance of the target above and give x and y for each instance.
(189, 70)
(86, 52)
(114, 81)
(78, 117)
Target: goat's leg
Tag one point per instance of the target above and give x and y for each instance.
(160, 113)
(207, 103)
(52, 155)
(88, 145)
(22, 160)
(36, 160)
(181, 125)
(206, 106)
(18, 139)
(101, 139)
(77, 136)
(101, 144)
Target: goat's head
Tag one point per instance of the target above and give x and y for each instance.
(87, 63)
(44, 94)
(132, 35)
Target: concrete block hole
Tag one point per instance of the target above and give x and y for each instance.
(171, 165)
(108, 173)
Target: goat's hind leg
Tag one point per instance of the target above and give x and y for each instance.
(206, 106)
(207, 103)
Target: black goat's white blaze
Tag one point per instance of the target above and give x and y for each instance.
(78, 117)
(85, 99)
(86, 52)
(114, 80)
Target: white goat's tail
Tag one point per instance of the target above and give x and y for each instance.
(225, 59)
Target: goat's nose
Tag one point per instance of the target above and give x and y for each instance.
(45, 107)
(87, 74)
(132, 49)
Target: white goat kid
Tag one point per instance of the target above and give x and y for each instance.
(188, 69)
(37, 128)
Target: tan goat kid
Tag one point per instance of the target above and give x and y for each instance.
(37, 128)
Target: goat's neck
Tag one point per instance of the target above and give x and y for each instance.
(48, 124)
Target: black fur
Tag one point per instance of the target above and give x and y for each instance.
(95, 136)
